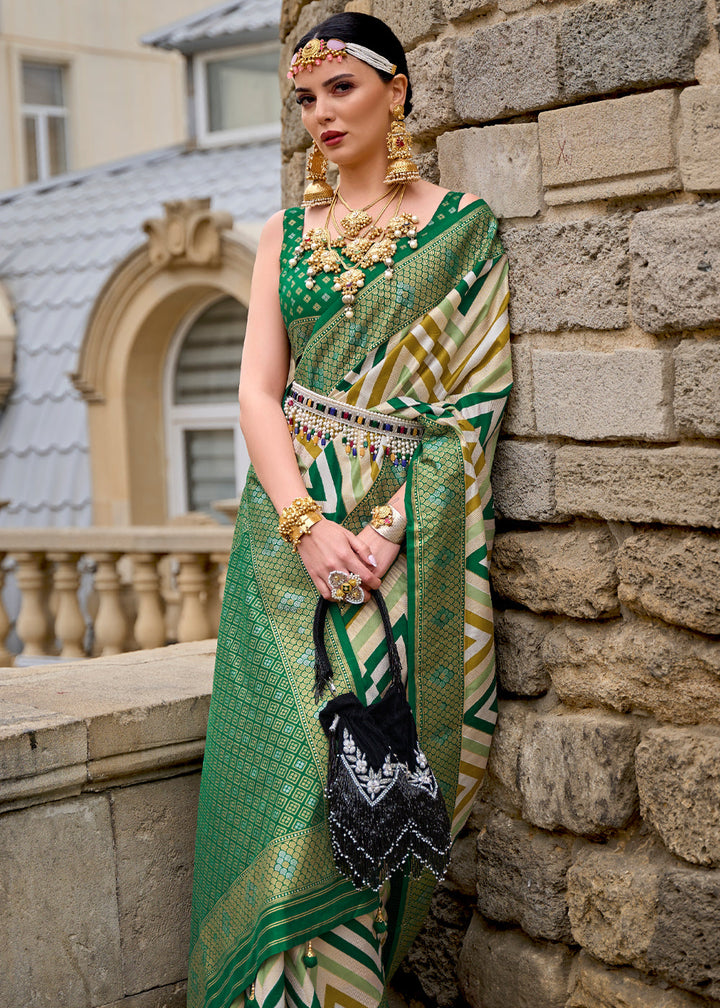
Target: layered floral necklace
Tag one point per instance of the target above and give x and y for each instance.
(359, 245)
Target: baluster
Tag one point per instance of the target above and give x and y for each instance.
(193, 624)
(5, 657)
(33, 622)
(150, 622)
(213, 594)
(110, 622)
(69, 622)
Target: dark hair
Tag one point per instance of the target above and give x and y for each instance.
(369, 31)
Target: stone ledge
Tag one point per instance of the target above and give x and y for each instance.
(85, 725)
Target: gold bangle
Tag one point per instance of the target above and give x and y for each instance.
(302, 527)
(389, 523)
(297, 519)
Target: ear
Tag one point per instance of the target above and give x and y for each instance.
(398, 89)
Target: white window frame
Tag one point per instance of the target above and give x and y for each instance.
(247, 134)
(194, 416)
(40, 115)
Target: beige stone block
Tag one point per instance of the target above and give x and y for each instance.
(172, 996)
(697, 387)
(430, 967)
(576, 771)
(464, 10)
(499, 163)
(600, 142)
(521, 876)
(550, 264)
(430, 67)
(594, 985)
(413, 22)
(462, 870)
(31, 744)
(519, 639)
(672, 575)
(59, 927)
(635, 667)
(678, 775)
(520, 414)
(523, 480)
(674, 269)
(699, 144)
(505, 749)
(599, 396)
(502, 968)
(155, 842)
(674, 486)
(293, 179)
(569, 570)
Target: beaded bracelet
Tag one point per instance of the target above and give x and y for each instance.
(297, 519)
(389, 523)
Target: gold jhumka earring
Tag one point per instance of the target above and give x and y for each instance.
(401, 168)
(318, 191)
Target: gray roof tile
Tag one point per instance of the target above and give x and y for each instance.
(223, 21)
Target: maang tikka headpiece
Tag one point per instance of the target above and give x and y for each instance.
(314, 52)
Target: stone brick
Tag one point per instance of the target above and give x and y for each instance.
(577, 771)
(462, 870)
(461, 10)
(519, 640)
(635, 667)
(430, 67)
(413, 22)
(598, 396)
(697, 388)
(640, 907)
(427, 162)
(699, 144)
(172, 996)
(59, 924)
(569, 570)
(523, 480)
(520, 414)
(499, 163)
(675, 265)
(154, 878)
(551, 263)
(594, 985)
(506, 69)
(429, 971)
(608, 47)
(293, 179)
(678, 775)
(672, 575)
(521, 877)
(674, 486)
(505, 749)
(609, 148)
(502, 968)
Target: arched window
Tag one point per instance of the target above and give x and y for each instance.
(207, 459)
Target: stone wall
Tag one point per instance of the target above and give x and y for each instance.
(589, 874)
(99, 775)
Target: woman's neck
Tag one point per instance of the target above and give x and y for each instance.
(359, 184)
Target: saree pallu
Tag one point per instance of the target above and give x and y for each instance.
(430, 347)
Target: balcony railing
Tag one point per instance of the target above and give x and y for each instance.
(103, 591)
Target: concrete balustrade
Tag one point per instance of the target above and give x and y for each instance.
(104, 591)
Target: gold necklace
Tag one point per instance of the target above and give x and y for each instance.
(364, 251)
(357, 220)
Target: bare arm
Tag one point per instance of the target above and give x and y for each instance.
(263, 378)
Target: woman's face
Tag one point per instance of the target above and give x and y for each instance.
(346, 107)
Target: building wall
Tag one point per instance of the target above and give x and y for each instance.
(123, 98)
(589, 874)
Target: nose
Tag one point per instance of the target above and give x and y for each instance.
(323, 109)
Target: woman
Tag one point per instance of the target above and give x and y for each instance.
(401, 375)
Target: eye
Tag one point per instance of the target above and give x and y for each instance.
(343, 86)
(304, 99)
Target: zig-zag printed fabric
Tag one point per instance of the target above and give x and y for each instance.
(432, 346)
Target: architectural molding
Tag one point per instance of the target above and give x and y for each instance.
(7, 346)
(121, 362)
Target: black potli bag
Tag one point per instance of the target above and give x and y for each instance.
(384, 803)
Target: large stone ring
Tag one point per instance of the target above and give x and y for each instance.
(346, 587)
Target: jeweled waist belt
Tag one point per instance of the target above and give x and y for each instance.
(318, 419)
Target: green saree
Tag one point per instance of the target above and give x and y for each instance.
(430, 346)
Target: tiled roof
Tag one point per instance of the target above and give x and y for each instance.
(220, 24)
(59, 241)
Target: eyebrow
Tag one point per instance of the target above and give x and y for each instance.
(327, 83)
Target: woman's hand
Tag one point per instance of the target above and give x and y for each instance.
(383, 552)
(328, 546)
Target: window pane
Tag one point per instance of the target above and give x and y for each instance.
(243, 91)
(210, 468)
(57, 144)
(208, 368)
(42, 84)
(31, 154)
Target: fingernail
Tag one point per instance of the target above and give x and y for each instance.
(372, 560)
